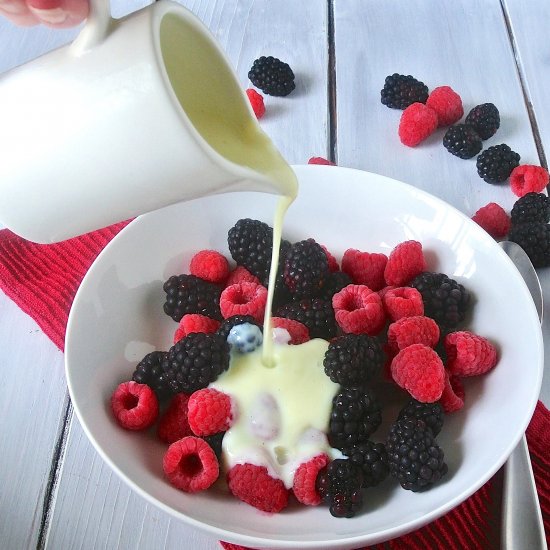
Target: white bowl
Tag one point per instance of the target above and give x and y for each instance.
(117, 317)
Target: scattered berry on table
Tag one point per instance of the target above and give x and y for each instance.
(534, 238)
(495, 164)
(452, 398)
(149, 371)
(305, 269)
(253, 485)
(209, 412)
(353, 360)
(532, 207)
(469, 354)
(320, 160)
(484, 119)
(356, 414)
(173, 423)
(134, 405)
(528, 179)
(245, 338)
(195, 322)
(365, 268)
(405, 262)
(462, 141)
(191, 465)
(494, 219)
(414, 458)
(244, 299)
(316, 314)
(430, 413)
(403, 301)
(419, 370)
(305, 479)
(445, 300)
(257, 102)
(400, 91)
(272, 76)
(210, 265)
(413, 330)
(196, 361)
(234, 320)
(417, 123)
(340, 486)
(297, 331)
(372, 458)
(447, 104)
(189, 294)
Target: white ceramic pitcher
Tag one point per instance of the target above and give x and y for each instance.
(136, 114)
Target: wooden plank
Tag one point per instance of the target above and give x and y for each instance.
(93, 508)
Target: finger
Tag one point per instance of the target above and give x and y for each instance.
(59, 13)
(17, 12)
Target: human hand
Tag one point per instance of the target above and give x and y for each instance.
(52, 13)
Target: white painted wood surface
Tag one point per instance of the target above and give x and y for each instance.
(464, 44)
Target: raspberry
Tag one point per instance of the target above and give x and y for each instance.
(414, 457)
(320, 160)
(305, 269)
(430, 413)
(189, 294)
(241, 275)
(253, 485)
(359, 310)
(298, 332)
(333, 266)
(353, 360)
(528, 179)
(496, 163)
(534, 238)
(149, 371)
(233, 321)
(210, 265)
(447, 104)
(316, 314)
(400, 91)
(419, 370)
(403, 302)
(452, 398)
(134, 405)
(405, 262)
(173, 423)
(469, 354)
(257, 102)
(484, 119)
(191, 465)
(244, 299)
(245, 338)
(195, 322)
(229, 546)
(339, 485)
(462, 141)
(355, 416)
(372, 458)
(365, 268)
(272, 76)
(493, 218)
(416, 124)
(532, 207)
(305, 478)
(412, 330)
(210, 411)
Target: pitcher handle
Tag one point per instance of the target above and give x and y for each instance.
(96, 28)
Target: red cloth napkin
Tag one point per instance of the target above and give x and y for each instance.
(43, 279)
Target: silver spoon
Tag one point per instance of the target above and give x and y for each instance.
(522, 526)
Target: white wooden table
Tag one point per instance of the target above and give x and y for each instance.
(55, 491)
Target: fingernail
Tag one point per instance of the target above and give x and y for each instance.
(54, 16)
(10, 7)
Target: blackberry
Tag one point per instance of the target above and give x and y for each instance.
(414, 457)
(496, 163)
(334, 283)
(230, 322)
(400, 91)
(445, 300)
(430, 413)
(339, 485)
(353, 360)
(532, 207)
(356, 414)
(149, 371)
(250, 245)
(534, 238)
(272, 76)
(372, 458)
(316, 314)
(189, 294)
(305, 269)
(484, 119)
(215, 441)
(462, 141)
(195, 361)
